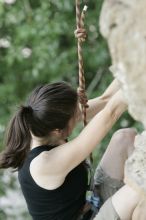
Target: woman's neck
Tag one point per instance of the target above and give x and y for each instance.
(35, 142)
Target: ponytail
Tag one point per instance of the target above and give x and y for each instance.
(18, 139)
(50, 107)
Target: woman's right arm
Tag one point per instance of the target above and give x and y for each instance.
(62, 159)
(95, 105)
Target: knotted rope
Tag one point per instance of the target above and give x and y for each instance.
(81, 35)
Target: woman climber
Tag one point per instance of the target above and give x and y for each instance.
(52, 171)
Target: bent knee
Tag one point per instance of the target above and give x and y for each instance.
(139, 212)
(124, 138)
(125, 134)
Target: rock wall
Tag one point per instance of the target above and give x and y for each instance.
(123, 24)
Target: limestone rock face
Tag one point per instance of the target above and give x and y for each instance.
(123, 24)
(135, 166)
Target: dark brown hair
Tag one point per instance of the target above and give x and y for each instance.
(49, 107)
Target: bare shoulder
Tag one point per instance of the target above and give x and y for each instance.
(43, 172)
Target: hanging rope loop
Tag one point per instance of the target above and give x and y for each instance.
(81, 35)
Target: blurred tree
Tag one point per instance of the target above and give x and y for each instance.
(37, 45)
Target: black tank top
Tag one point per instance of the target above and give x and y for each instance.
(63, 203)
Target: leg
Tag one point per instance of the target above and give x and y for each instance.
(140, 211)
(123, 204)
(119, 149)
(120, 206)
(110, 172)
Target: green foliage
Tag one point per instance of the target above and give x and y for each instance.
(37, 45)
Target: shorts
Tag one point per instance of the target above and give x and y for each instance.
(106, 186)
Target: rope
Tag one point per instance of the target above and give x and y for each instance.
(81, 35)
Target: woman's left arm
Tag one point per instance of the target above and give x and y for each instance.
(98, 103)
